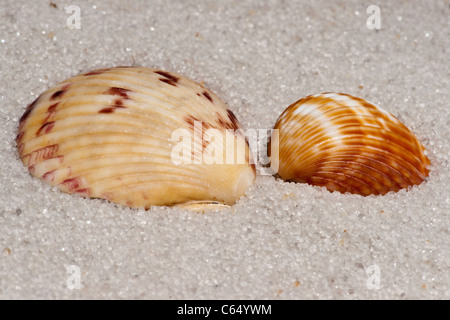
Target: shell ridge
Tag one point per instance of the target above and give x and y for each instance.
(360, 183)
(405, 167)
(374, 184)
(368, 167)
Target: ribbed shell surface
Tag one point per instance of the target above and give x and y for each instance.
(108, 134)
(346, 144)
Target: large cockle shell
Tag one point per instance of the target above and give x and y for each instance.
(348, 145)
(109, 134)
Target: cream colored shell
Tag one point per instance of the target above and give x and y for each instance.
(346, 144)
(108, 134)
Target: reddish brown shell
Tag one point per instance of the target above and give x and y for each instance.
(346, 144)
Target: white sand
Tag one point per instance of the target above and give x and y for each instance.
(286, 241)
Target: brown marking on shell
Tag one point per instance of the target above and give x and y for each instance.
(85, 192)
(233, 119)
(19, 137)
(60, 93)
(189, 119)
(49, 116)
(97, 72)
(27, 112)
(71, 184)
(24, 117)
(111, 109)
(31, 169)
(107, 110)
(53, 107)
(115, 91)
(168, 81)
(207, 96)
(118, 102)
(45, 128)
(40, 154)
(93, 73)
(51, 112)
(60, 158)
(168, 76)
(49, 163)
(229, 122)
(49, 176)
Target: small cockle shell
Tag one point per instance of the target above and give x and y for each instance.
(348, 145)
(109, 134)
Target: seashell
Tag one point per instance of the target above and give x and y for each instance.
(109, 134)
(202, 206)
(346, 144)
